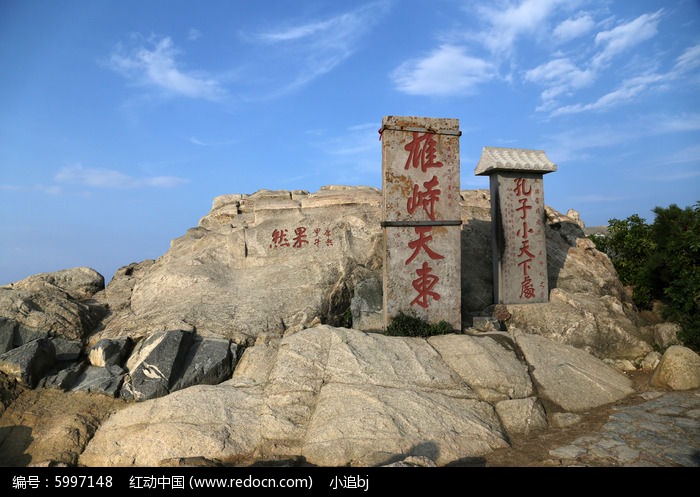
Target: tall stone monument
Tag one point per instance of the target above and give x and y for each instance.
(518, 220)
(422, 224)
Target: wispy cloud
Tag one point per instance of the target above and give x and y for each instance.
(318, 46)
(193, 34)
(626, 92)
(50, 189)
(625, 36)
(574, 27)
(153, 63)
(211, 143)
(109, 178)
(507, 24)
(560, 76)
(675, 123)
(457, 67)
(448, 70)
(688, 60)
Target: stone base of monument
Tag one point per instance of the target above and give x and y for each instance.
(487, 323)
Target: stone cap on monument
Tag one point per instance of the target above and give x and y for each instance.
(497, 159)
(445, 126)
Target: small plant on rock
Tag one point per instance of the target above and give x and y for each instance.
(408, 325)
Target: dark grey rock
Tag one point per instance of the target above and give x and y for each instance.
(67, 350)
(209, 361)
(65, 379)
(109, 352)
(7, 334)
(155, 363)
(25, 334)
(367, 305)
(106, 381)
(30, 362)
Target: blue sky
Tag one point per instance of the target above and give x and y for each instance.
(121, 120)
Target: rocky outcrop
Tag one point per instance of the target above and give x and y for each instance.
(236, 345)
(280, 261)
(274, 261)
(52, 304)
(570, 378)
(332, 396)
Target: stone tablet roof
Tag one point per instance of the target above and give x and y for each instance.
(513, 159)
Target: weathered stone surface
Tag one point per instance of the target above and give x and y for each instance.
(256, 284)
(154, 364)
(7, 334)
(565, 419)
(49, 427)
(489, 367)
(65, 378)
(522, 416)
(263, 268)
(79, 282)
(650, 361)
(24, 335)
(67, 350)
(103, 380)
(601, 325)
(333, 396)
(108, 352)
(30, 362)
(666, 334)
(116, 296)
(477, 270)
(571, 378)
(366, 305)
(39, 304)
(209, 361)
(678, 369)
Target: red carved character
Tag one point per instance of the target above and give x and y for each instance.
(422, 243)
(425, 199)
(422, 151)
(424, 285)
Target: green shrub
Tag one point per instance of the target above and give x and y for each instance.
(407, 325)
(660, 261)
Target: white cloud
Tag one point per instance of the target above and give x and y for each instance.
(448, 70)
(155, 65)
(109, 178)
(560, 76)
(626, 92)
(685, 122)
(685, 156)
(626, 36)
(509, 23)
(572, 28)
(318, 46)
(194, 34)
(305, 30)
(688, 60)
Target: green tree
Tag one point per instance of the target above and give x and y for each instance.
(673, 270)
(661, 261)
(628, 244)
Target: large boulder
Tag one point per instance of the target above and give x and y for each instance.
(571, 379)
(273, 261)
(678, 369)
(330, 396)
(59, 303)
